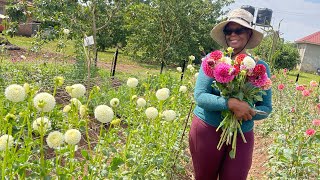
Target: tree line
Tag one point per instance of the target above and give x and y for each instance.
(151, 31)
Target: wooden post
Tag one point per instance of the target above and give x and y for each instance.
(162, 65)
(297, 78)
(183, 67)
(114, 63)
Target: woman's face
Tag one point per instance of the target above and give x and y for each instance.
(236, 35)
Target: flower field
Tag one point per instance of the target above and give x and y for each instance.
(294, 127)
(55, 125)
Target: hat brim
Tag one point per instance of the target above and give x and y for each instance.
(218, 35)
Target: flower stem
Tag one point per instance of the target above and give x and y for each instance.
(241, 133)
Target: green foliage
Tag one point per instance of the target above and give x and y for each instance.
(171, 30)
(78, 19)
(113, 36)
(151, 31)
(18, 12)
(285, 54)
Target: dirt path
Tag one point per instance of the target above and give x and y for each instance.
(260, 156)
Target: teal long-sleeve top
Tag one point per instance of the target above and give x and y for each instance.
(209, 103)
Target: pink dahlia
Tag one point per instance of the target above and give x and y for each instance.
(267, 85)
(313, 83)
(222, 73)
(305, 93)
(316, 122)
(285, 70)
(207, 69)
(300, 87)
(281, 87)
(258, 81)
(310, 132)
(216, 55)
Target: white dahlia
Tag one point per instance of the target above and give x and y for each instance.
(132, 82)
(55, 139)
(41, 124)
(183, 89)
(103, 113)
(163, 94)
(151, 113)
(141, 102)
(72, 136)
(15, 93)
(249, 62)
(76, 90)
(6, 141)
(44, 102)
(169, 115)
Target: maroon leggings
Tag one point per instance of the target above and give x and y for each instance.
(210, 163)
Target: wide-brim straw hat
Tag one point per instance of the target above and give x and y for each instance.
(242, 17)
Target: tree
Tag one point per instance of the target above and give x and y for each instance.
(85, 17)
(171, 30)
(285, 54)
(18, 12)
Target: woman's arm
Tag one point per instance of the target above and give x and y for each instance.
(206, 96)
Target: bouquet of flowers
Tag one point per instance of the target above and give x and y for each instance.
(240, 78)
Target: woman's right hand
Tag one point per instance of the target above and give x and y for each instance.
(241, 109)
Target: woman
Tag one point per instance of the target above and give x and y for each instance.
(208, 161)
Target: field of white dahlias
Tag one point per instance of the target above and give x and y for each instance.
(57, 125)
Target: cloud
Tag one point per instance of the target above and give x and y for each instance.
(299, 17)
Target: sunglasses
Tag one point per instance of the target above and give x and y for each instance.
(237, 31)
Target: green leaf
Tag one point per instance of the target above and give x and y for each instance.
(85, 154)
(115, 163)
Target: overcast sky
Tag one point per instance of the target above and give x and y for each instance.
(300, 18)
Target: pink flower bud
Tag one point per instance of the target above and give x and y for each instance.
(293, 110)
(281, 87)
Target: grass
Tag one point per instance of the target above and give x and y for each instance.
(304, 77)
(140, 68)
(51, 46)
(107, 56)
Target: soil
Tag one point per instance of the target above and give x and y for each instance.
(15, 55)
(260, 155)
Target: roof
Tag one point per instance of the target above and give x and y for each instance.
(311, 39)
